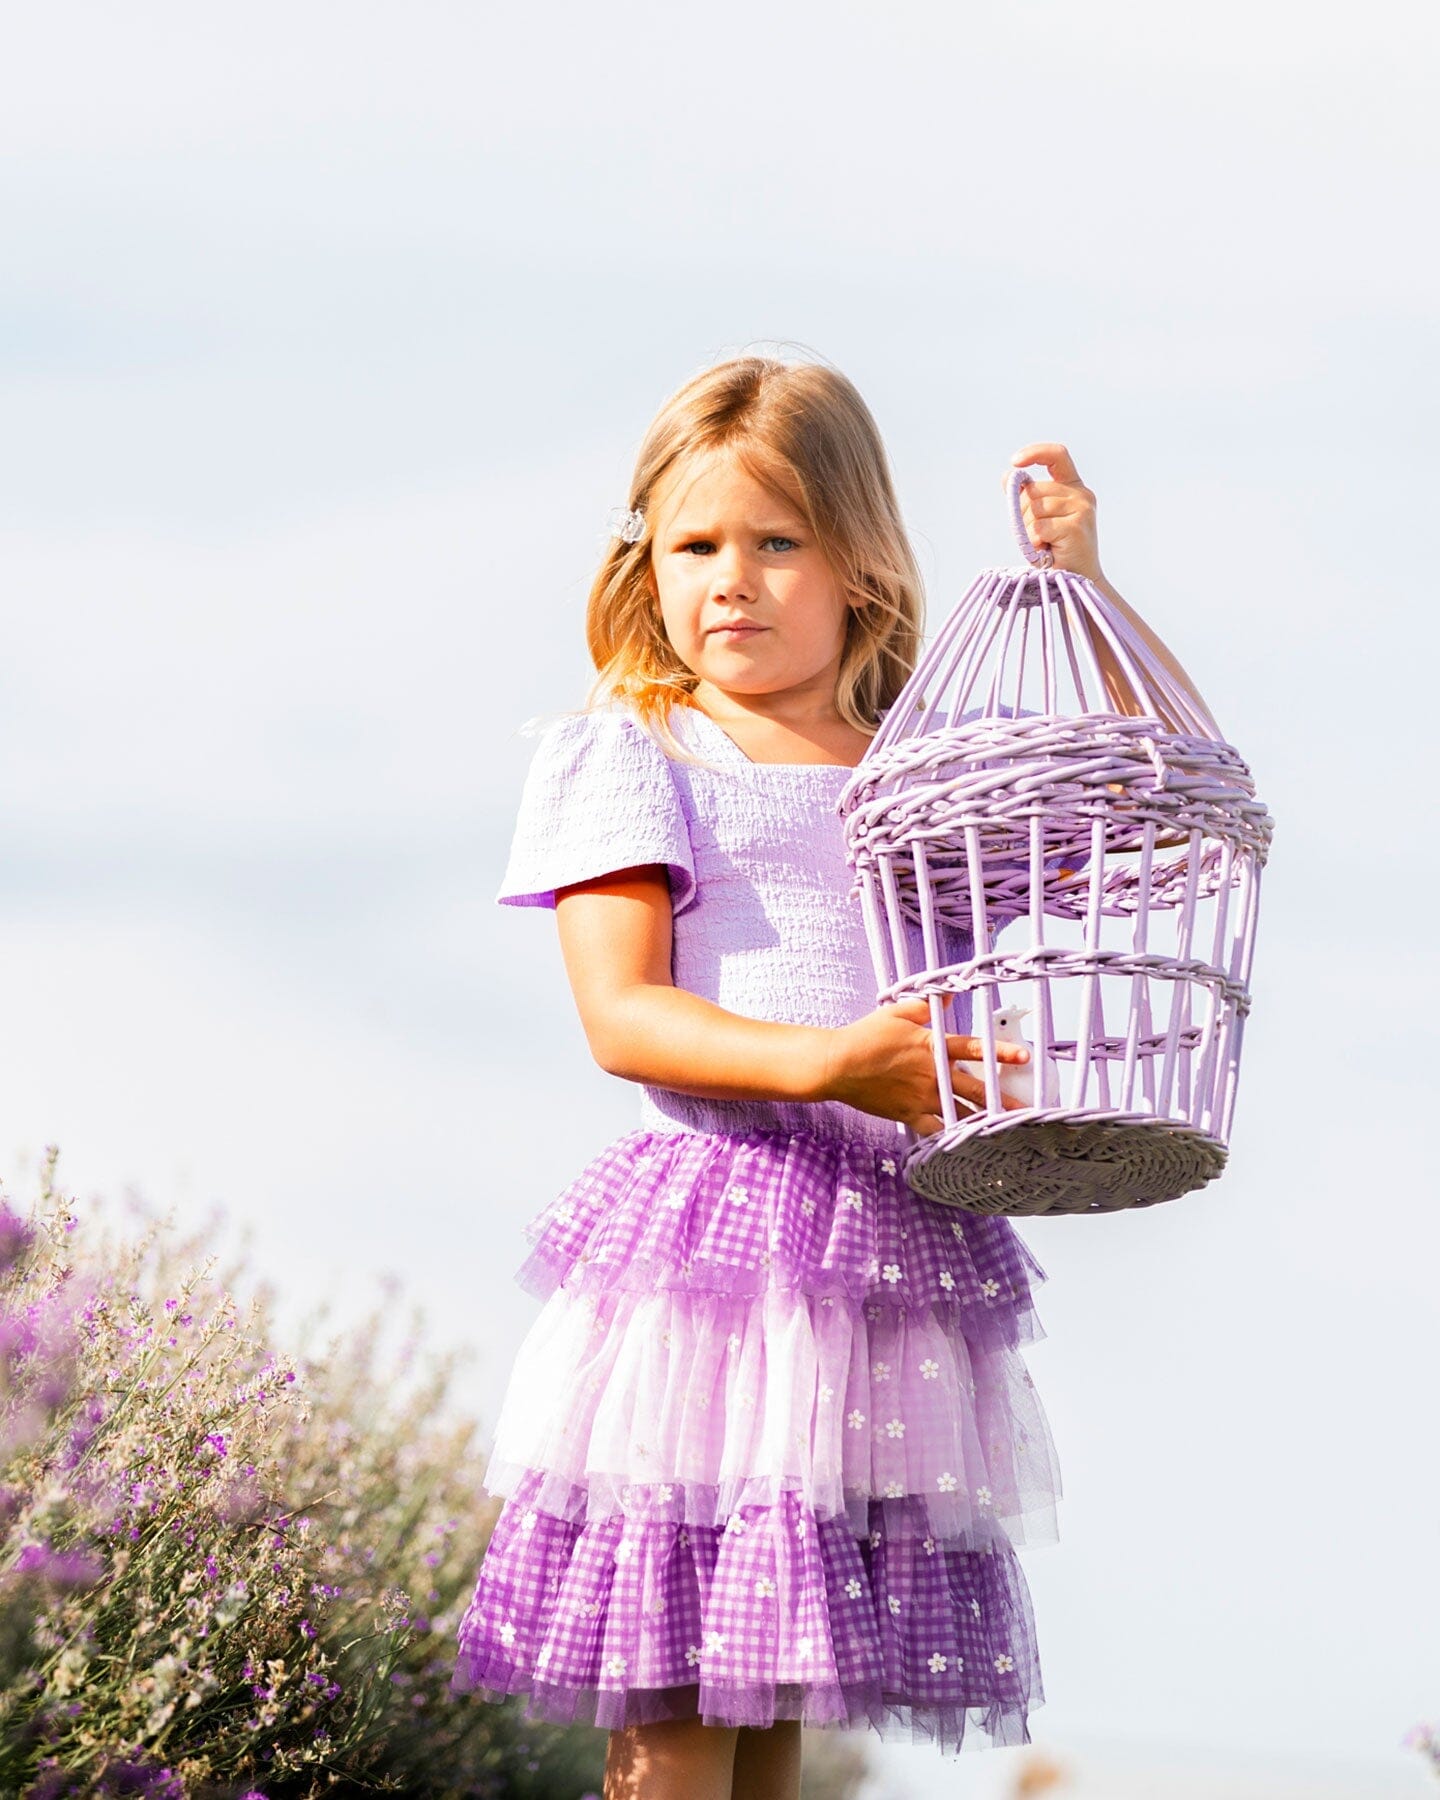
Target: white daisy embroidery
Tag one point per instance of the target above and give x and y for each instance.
(891, 1273)
(872, 1311)
(929, 1546)
(972, 1388)
(982, 1496)
(507, 1635)
(895, 1428)
(683, 1537)
(947, 1280)
(959, 1232)
(990, 1287)
(735, 1525)
(894, 1490)
(929, 1369)
(887, 1163)
(852, 1588)
(975, 1607)
(826, 1391)
(946, 1483)
(529, 1520)
(675, 1199)
(849, 1197)
(733, 1340)
(803, 1647)
(664, 1492)
(893, 1603)
(622, 1553)
(714, 1642)
(615, 1665)
(827, 1299)
(807, 1206)
(1003, 1664)
(938, 1663)
(738, 1195)
(855, 1418)
(800, 1528)
(692, 1653)
(565, 1214)
(765, 1588)
(875, 1540)
(880, 1370)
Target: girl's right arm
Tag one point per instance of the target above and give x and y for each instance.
(615, 936)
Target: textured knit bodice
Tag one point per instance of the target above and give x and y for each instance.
(765, 921)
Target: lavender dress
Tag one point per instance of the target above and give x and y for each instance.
(769, 1446)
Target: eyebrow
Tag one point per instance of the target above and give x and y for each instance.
(786, 526)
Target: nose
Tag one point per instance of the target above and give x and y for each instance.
(731, 574)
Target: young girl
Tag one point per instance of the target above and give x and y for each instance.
(768, 1449)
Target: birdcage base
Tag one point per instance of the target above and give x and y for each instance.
(1058, 1161)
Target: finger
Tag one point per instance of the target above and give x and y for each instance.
(970, 1049)
(1056, 458)
(911, 1000)
(968, 1089)
(1053, 501)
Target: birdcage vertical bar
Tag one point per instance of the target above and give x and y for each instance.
(955, 642)
(1077, 631)
(1011, 609)
(895, 918)
(1211, 1032)
(1089, 978)
(1097, 617)
(1019, 699)
(980, 929)
(1140, 939)
(1187, 714)
(1240, 972)
(931, 938)
(895, 725)
(973, 663)
(1181, 982)
(1047, 656)
(881, 956)
(1042, 1049)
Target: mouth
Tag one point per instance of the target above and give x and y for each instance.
(736, 631)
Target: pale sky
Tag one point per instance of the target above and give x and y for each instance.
(326, 340)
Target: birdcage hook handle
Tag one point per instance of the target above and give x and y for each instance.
(1014, 481)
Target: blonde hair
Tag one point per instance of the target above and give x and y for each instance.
(801, 430)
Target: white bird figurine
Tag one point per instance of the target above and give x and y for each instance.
(1017, 1080)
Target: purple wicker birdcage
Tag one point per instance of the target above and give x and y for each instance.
(1048, 824)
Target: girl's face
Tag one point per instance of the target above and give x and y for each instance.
(727, 552)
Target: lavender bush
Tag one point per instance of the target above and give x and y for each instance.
(226, 1571)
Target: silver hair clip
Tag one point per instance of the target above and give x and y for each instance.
(627, 524)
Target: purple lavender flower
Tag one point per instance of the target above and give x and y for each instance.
(66, 1568)
(16, 1236)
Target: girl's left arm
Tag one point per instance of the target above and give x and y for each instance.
(1060, 515)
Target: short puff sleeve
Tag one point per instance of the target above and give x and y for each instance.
(598, 796)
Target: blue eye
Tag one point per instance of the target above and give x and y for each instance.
(708, 543)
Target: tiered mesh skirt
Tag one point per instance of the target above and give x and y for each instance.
(767, 1451)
